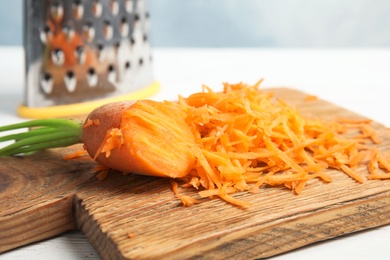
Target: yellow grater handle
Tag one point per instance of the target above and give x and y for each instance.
(84, 107)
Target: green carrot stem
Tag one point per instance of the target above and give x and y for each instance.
(42, 146)
(30, 133)
(55, 123)
(46, 133)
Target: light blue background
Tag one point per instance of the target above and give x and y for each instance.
(249, 23)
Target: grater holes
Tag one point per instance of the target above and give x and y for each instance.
(92, 77)
(147, 21)
(111, 73)
(78, 9)
(136, 21)
(100, 51)
(91, 71)
(124, 27)
(129, 6)
(80, 54)
(114, 7)
(117, 45)
(97, 8)
(127, 65)
(58, 57)
(68, 32)
(140, 61)
(46, 82)
(132, 40)
(45, 33)
(70, 74)
(108, 30)
(145, 38)
(111, 68)
(70, 81)
(89, 31)
(57, 11)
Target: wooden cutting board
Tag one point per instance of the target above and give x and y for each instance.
(139, 217)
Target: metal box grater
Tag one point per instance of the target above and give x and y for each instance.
(83, 50)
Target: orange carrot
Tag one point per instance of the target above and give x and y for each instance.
(144, 137)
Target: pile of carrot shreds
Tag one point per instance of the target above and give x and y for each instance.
(246, 139)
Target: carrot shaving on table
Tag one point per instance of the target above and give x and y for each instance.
(310, 98)
(188, 201)
(102, 171)
(384, 162)
(246, 139)
(175, 189)
(354, 121)
(102, 175)
(75, 154)
(130, 235)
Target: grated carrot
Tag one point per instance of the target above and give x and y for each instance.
(373, 166)
(188, 201)
(102, 171)
(246, 139)
(384, 162)
(310, 98)
(75, 154)
(130, 235)
(102, 175)
(175, 186)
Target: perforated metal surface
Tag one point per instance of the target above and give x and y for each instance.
(82, 50)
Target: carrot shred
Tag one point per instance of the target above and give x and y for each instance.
(384, 162)
(373, 165)
(379, 176)
(310, 98)
(130, 235)
(175, 189)
(188, 201)
(102, 175)
(246, 139)
(353, 121)
(102, 171)
(75, 154)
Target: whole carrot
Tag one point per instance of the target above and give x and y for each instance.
(144, 137)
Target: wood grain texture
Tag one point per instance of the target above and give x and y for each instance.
(138, 217)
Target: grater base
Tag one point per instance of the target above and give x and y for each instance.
(83, 108)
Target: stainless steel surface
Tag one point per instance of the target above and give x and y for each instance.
(81, 50)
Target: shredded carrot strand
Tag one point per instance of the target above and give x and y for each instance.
(309, 98)
(188, 201)
(75, 154)
(175, 189)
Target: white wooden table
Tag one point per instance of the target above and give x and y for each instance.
(357, 79)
